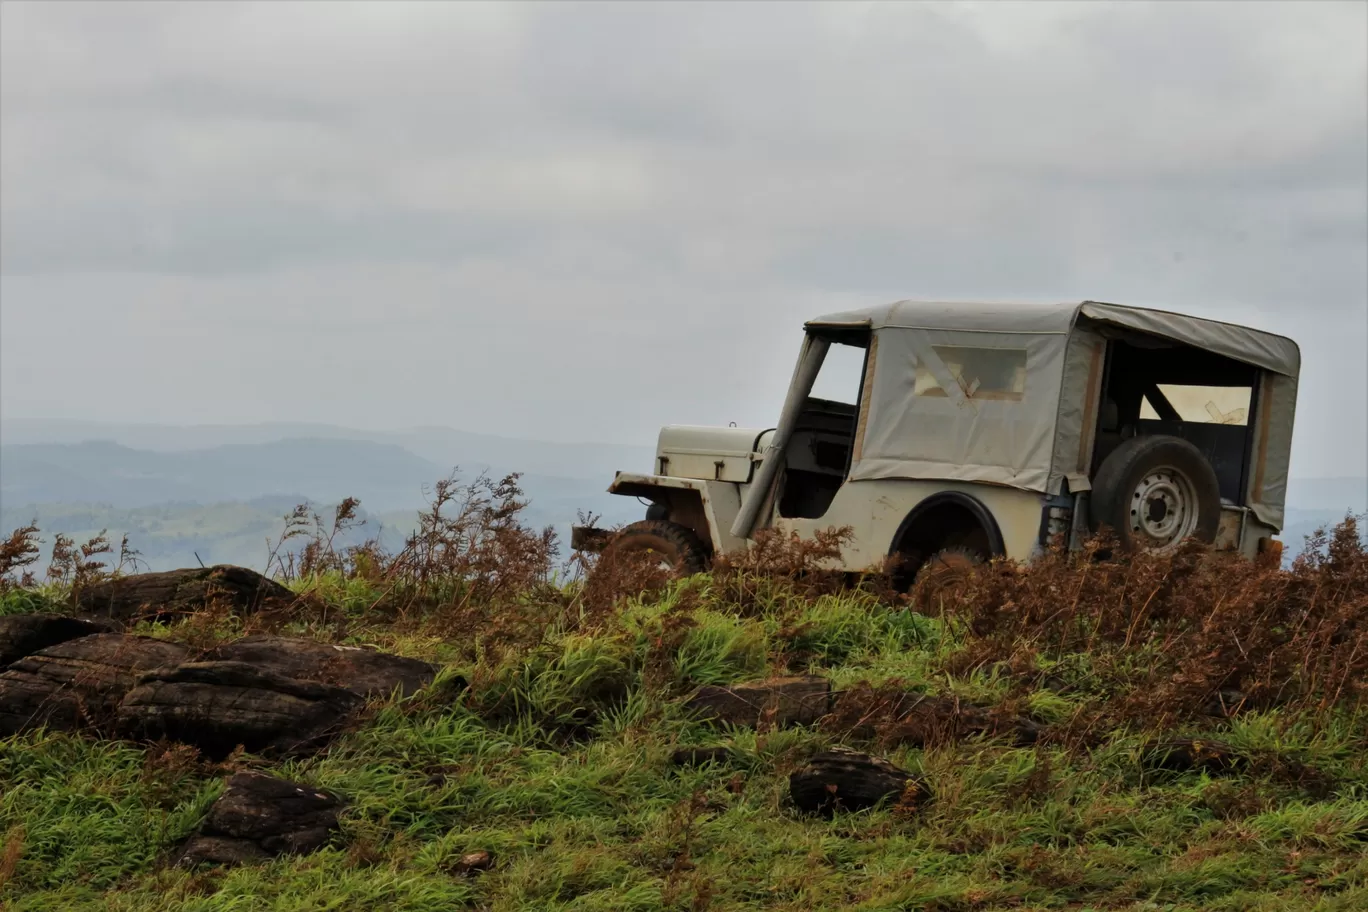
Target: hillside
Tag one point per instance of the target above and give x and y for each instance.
(1174, 733)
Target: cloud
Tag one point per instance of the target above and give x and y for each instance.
(610, 216)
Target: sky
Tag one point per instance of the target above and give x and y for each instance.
(584, 221)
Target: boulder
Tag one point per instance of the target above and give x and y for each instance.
(183, 592)
(259, 817)
(78, 682)
(473, 863)
(24, 634)
(846, 780)
(777, 702)
(365, 672)
(218, 706)
(221, 850)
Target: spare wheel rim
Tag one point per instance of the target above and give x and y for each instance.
(1163, 508)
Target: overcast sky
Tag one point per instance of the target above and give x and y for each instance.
(580, 222)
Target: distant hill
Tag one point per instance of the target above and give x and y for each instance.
(439, 445)
(1314, 503)
(384, 476)
(174, 535)
(105, 472)
(1335, 495)
(223, 501)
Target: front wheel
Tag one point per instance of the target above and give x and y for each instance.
(672, 549)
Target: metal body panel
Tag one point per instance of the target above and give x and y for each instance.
(707, 453)
(875, 510)
(717, 503)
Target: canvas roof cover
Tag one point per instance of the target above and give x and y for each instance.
(951, 398)
(1241, 343)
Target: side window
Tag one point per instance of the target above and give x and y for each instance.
(839, 378)
(1202, 404)
(981, 373)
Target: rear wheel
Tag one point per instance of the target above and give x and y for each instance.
(674, 550)
(944, 577)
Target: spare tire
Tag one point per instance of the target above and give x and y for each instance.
(1155, 492)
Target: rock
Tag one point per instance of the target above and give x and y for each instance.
(24, 634)
(79, 682)
(182, 592)
(700, 756)
(906, 717)
(259, 817)
(1188, 754)
(217, 706)
(778, 702)
(218, 850)
(474, 863)
(365, 672)
(847, 780)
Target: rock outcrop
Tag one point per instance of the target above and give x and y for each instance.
(217, 706)
(365, 672)
(80, 682)
(24, 634)
(173, 593)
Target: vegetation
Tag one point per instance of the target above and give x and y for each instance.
(556, 758)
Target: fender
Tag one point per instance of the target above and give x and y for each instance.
(981, 514)
(718, 502)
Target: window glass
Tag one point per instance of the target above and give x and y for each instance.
(982, 373)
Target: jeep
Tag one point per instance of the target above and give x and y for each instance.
(988, 431)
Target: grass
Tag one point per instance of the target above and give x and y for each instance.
(556, 761)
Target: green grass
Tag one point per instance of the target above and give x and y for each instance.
(558, 765)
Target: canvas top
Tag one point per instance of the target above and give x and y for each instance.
(1241, 343)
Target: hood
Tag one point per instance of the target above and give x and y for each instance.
(711, 453)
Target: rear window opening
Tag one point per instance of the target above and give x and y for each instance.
(1201, 397)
